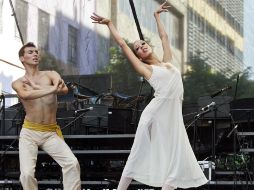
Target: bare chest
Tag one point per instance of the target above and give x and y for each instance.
(43, 81)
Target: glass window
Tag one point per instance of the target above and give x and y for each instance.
(72, 44)
(239, 54)
(202, 24)
(195, 18)
(175, 32)
(190, 14)
(43, 29)
(230, 46)
(220, 39)
(210, 30)
(21, 8)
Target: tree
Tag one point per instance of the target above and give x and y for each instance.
(245, 86)
(124, 78)
(49, 62)
(201, 80)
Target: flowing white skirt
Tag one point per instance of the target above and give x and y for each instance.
(161, 152)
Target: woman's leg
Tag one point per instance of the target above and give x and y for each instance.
(167, 187)
(124, 183)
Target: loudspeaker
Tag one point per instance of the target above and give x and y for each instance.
(13, 121)
(119, 120)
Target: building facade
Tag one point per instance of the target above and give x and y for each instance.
(60, 27)
(64, 29)
(215, 28)
(175, 23)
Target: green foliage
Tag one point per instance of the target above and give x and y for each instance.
(49, 62)
(200, 80)
(231, 162)
(245, 85)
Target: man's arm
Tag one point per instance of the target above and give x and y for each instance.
(26, 93)
(55, 77)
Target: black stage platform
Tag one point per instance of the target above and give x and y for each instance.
(102, 158)
(102, 138)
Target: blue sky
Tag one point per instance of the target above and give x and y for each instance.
(249, 33)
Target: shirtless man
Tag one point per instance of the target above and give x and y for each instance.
(38, 92)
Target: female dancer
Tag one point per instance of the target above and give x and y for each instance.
(161, 155)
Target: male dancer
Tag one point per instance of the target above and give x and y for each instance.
(38, 92)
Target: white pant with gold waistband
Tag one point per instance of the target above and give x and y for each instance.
(56, 147)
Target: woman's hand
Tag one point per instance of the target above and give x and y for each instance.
(162, 8)
(99, 19)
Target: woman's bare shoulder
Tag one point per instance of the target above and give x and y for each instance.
(147, 72)
(167, 64)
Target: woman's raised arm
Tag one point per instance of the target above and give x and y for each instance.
(167, 54)
(139, 66)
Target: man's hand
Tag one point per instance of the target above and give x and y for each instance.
(60, 85)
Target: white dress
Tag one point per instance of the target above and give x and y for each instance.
(161, 152)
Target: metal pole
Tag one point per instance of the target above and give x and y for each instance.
(136, 19)
(16, 21)
(3, 115)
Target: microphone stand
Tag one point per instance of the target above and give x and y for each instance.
(135, 111)
(234, 131)
(202, 113)
(194, 131)
(3, 114)
(196, 118)
(214, 134)
(236, 86)
(74, 120)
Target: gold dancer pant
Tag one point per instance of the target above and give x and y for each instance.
(34, 135)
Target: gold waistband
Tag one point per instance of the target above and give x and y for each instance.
(43, 127)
